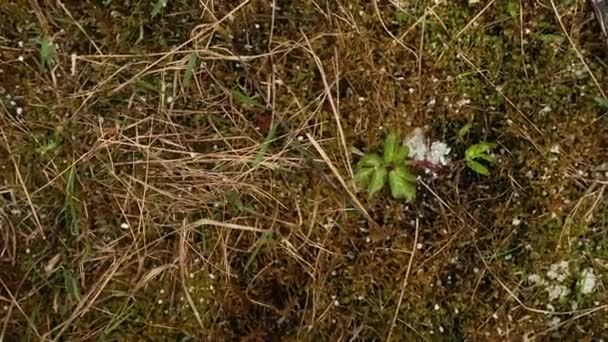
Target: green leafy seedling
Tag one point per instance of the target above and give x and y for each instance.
(373, 171)
(479, 152)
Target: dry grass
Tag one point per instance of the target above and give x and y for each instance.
(139, 203)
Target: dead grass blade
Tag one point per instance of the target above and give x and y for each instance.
(24, 188)
(234, 226)
(340, 178)
(578, 53)
(206, 30)
(404, 285)
(334, 108)
(15, 303)
(183, 236)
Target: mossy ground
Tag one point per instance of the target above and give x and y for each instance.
(115, 154)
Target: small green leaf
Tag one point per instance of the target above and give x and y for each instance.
(403, 172)
(478, 167)
(490, 159)
(464, 130)
(552, 38)
(377, 182)
(47, 51)
(390, 143)
(401, 154)
(513, 9)
(601, 102)
(400, 17)
(475, 150)
(160, 4)
(190, 69)
(363, 176)
(370, 160)
(401, 185)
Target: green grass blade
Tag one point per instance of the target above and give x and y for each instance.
(601, 102)
(189, 69)
(259, 156)
(69, 209)
(243, 99)
(266, 237)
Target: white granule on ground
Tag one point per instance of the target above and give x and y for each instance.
(588, 280)
(557, 292)
(436, 153)
(559, 271)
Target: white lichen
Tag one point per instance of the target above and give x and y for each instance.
(535, 279)
(436, 153)
(587, 281)
(559, 271)
(556, 292)
(415, 141)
